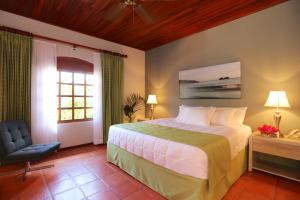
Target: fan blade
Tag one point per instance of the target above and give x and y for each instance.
(146, 17)
(115, 11)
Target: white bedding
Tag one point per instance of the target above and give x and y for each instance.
(181, 158)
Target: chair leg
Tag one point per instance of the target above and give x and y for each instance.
(31, 169)
(27, 169)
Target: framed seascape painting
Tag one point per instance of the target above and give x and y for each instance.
(212, 82)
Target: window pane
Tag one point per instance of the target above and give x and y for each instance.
(66, 89)
(79, 78)
(90, 79)
(89, 102)
(66, 77)
(66, 114)
(78, 102)
(89, 90)
(78, 90)
(66, 102)
(89, 113)
(79, 114)
(57, 102)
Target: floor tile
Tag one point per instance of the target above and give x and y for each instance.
(141, 195)
(125, 189)
(93, 187)
(103, 172)
(262, 184)
(61, 186)
(33, 190)
(287, 189)
(232, 194)
(104, 195)
(54, 175)
(9, 187)
(84, 178)
(96, 165)
(76, 171)
(152, 193)
(73, 194)
(115, 179)
(245, 195)
(114, 166)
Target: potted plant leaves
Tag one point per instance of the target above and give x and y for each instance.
(133, 103)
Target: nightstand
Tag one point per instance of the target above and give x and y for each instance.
(283, 149)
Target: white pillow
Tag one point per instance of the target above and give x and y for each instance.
(239, 115)
(195, 115)
(223, 117)
(181, 115)
(236, 119)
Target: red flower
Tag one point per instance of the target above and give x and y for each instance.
(267, 129)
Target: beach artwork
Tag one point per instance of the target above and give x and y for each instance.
(212, 82)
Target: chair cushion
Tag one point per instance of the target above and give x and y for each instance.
(31, 153)
(14, 136)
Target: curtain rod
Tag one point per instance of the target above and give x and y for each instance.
(12, 30)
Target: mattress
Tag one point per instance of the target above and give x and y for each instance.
(181, 158)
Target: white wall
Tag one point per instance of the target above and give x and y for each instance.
(81, 132)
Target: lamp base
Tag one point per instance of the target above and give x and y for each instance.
(152, 112)
(277, 119)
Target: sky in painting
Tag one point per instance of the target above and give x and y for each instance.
(231, 70)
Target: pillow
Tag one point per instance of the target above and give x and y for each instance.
(239, 115)
(182, 108)
(195, 115)
(223, 117)
(236, 119)
(181, 115)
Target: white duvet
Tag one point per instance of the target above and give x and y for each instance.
(181, 158)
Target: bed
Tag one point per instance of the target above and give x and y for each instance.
(165, 155)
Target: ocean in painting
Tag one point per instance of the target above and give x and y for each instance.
(213, 82)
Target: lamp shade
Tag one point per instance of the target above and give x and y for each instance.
(152, 99)
(277, 99)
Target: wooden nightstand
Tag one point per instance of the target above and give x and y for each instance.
(280, 148)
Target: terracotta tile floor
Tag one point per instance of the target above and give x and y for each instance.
(83, 173)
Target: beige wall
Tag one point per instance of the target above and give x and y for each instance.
(77, 133)
(268, 45)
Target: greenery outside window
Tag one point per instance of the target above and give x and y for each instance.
(74, 96)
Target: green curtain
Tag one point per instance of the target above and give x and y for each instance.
(15, 77)
(112, 91)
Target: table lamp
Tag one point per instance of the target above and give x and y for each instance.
(152, 100)
(277, 99)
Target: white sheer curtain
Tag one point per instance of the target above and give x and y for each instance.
(43, 93)
(97, 122)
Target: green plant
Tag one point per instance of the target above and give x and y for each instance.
(133, 103)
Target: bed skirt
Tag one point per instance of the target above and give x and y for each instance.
(173, 185)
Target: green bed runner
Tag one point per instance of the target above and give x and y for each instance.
(215, 146)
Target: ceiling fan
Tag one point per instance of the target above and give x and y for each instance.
(137, 8)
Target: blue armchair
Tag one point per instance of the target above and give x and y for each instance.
(16, 146)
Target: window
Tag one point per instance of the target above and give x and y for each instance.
(75, 94)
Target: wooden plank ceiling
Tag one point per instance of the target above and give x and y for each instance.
(173, 19)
